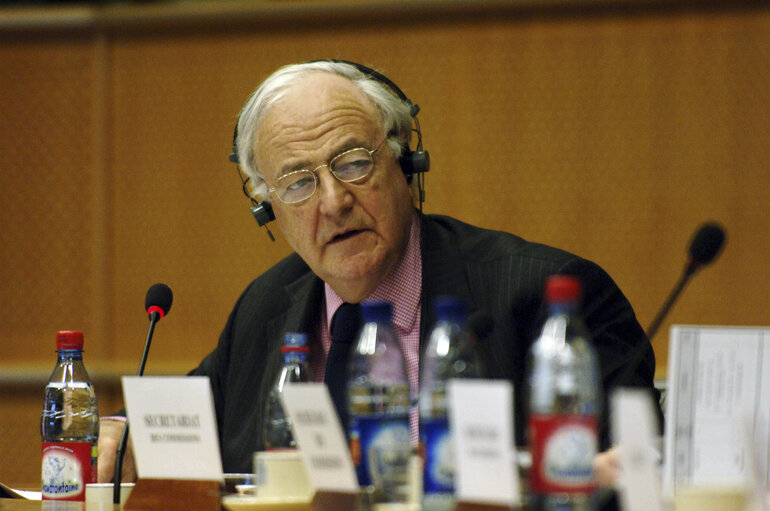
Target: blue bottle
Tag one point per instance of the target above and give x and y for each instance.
(378, 399)
(450, 354)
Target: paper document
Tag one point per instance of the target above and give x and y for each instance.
(718, 377)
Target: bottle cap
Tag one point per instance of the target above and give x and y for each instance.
(376, 312)
(563, 289)
(294, 341)
(451, 308)
(69, 340)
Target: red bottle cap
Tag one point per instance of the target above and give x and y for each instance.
(563, 289)
(69, 340)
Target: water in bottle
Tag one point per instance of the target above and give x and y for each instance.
(564, 401)
(296, 353)
(378, 397)
(69, 424)
(450, 354)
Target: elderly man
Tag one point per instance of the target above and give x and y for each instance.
(324, 143)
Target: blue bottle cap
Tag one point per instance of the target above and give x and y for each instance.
(450, 308)
(376, 312)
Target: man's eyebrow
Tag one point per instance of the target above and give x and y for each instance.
(350, 143)
(293, 167)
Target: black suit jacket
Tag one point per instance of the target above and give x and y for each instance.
(498, 273)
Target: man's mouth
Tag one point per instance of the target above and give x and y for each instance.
(345, 236)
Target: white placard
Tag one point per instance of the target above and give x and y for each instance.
(319, 436)
(716, 376)
(173, 428)
(481, 422)
(633, 429)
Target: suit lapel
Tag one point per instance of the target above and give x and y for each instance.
(443, 273)
(305, 296)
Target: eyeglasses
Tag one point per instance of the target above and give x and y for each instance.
(351, 166)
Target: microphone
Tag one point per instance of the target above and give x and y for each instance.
(157, 303)
(158, 300)
(705, 246)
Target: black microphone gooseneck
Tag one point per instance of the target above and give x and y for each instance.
(157, 304)
(704, 248)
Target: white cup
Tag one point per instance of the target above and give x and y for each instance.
(280, 474)
(102, 493)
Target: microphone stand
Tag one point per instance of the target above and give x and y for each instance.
(689, 271)
(119, 454)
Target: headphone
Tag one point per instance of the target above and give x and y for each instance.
(411, 162)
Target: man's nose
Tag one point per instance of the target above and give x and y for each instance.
(334, 195)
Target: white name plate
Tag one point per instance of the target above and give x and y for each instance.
(319, 435)
(173, 428)
(481, 424)
(633, 430)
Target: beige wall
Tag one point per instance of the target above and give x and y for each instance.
(608, 133)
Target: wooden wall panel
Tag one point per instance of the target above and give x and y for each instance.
(51, 219)
(608, 133)
(611, 136)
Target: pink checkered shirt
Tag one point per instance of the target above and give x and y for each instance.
(402, 288)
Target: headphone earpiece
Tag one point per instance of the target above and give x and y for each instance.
(415, 162)
(263, 212)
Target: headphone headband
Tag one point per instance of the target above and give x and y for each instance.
(414, 108)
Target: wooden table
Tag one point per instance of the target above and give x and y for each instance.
(52, 505)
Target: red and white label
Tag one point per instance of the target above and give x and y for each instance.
(67, 468)
(563, 449)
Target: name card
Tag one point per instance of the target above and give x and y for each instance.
(173, 428)
(481, 422)
(319, 435)
(633, 429)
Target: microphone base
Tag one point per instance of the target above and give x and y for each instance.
(174, 495)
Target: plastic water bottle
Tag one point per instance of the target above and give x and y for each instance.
(564, 401)
(450, 354)
(296, 352)
(69, 424)
(378, 397)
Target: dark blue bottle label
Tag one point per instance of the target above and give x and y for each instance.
(380, 447)
(438, 474)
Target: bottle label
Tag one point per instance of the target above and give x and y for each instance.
(67, 468)
(438, 475)
(563, 449)
(380, 447)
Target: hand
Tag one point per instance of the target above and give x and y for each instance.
(607, 467)
(110, 432)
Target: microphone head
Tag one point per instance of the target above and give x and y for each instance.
(159, 298)
(706, 244)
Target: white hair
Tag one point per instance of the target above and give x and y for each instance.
(394, 112)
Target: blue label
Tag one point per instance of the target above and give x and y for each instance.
(381, 446)
(438, 475)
